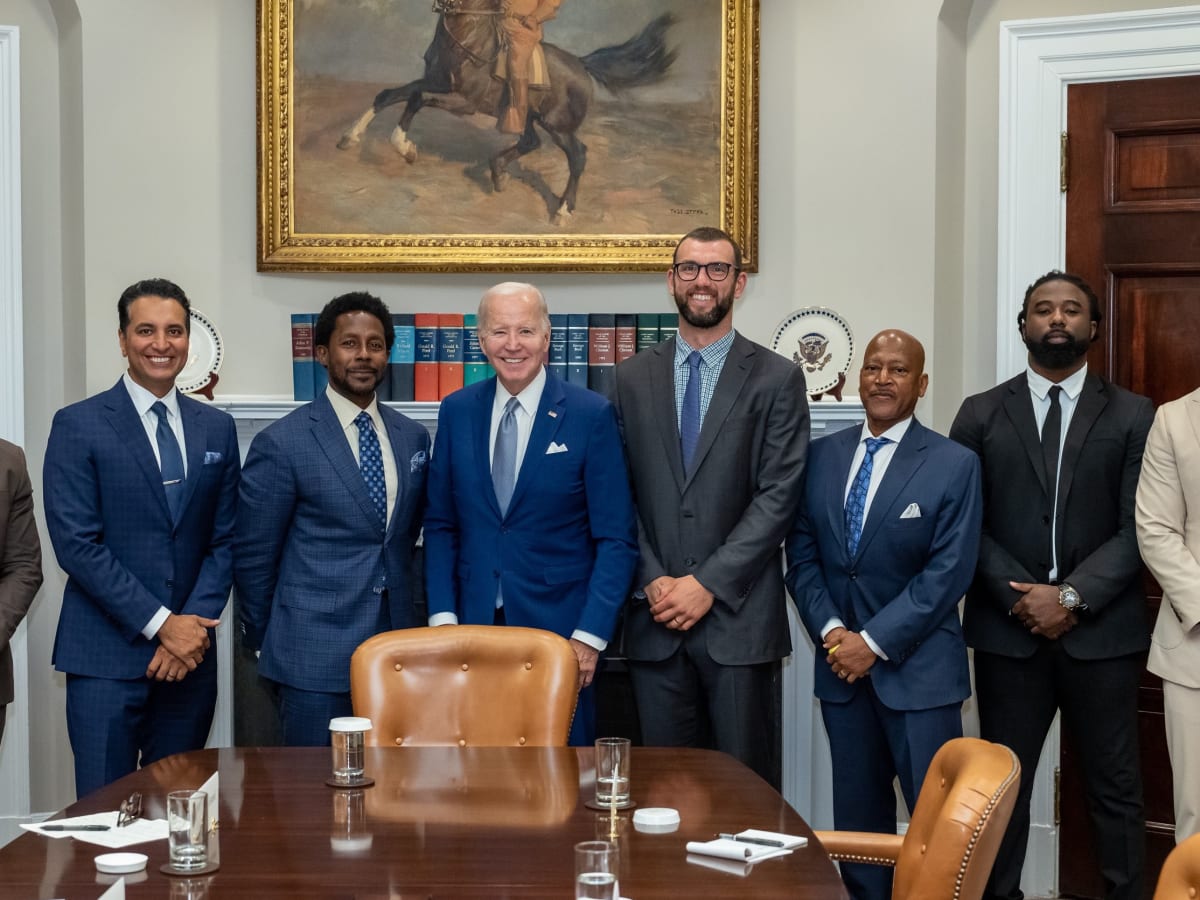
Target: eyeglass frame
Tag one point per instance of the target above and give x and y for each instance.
(733, 270)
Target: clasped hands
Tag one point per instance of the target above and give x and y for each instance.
(678, 603)
(1040, 612)
(848, 654)
(182, 641)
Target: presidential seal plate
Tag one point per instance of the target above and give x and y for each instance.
(820, 342)
(205, 353)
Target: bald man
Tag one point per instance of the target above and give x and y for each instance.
(884, 546)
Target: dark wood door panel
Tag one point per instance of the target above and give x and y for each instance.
(1156, 168)
(1154, 332)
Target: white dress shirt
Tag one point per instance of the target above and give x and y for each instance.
(346, 412)
(1039, 392)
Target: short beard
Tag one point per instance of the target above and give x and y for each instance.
(710, 319)
(1057, 356)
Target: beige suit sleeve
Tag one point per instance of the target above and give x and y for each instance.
(1162, 511)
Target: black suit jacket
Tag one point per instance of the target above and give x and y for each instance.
(1101, 461)
(725, 522)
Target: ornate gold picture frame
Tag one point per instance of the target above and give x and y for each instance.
(651, 105)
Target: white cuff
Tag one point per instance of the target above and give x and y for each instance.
(155, 623)
(590, 639)
(443, 618)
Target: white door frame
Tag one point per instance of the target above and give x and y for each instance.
(1039, 58)
(14, 751)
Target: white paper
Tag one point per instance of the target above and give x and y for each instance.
(138, 832)
(725, 848)
(790, 841)
(211, 787)
(729, 866)
(116, 891)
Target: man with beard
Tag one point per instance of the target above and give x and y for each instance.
(716, 435)
(331, 502)
(1056, 613)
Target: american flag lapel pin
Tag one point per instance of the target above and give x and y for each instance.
(552, 414)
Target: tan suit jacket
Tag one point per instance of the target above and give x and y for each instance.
(21, 559)
(1168, 530)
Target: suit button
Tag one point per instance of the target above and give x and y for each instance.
(1045, 520)
(854, 576)
(690, 561)
(170, 583)
(687, 513)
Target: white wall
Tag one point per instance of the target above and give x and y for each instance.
(878, 198)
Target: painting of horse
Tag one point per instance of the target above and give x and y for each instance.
(379, 145)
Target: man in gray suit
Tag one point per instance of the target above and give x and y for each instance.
(716, 434)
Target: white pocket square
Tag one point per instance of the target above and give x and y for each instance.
(556, 448)
(912, 511)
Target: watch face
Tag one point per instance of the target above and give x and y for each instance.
(1069, 597)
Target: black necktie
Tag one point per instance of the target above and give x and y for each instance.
(1051, 436)
(170, 460)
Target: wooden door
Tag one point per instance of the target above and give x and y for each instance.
(1133, 231)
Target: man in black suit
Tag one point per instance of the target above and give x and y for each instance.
(1056, 613)
(716, 434)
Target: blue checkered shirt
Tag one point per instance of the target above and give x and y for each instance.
(712, 360)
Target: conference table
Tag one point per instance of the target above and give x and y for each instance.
(439, 822)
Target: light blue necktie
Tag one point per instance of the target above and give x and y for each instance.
(170, 460)
(370, 461)
(504, 456)
(856, 500)
(689, 422)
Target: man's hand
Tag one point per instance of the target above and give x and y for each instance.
(186, 637)
(587, 657)
(849, 656)
(1040, 612)
(655, 589)
(166, 666)
(681, 604)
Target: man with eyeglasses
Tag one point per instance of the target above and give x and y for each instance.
(716, 434)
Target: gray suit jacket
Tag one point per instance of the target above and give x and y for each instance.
(725, 522)
(20, 556)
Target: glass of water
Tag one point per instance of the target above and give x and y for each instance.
(596, 870)
(612, 771)
(347, 736)
(187, 829)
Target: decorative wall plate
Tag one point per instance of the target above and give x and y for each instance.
(820, 342)
(204, 357)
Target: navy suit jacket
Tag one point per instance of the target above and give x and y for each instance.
(566, 550)
(904, 583)
(113, 534)
(312, 561)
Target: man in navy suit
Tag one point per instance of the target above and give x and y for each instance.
(530, 517)
(141, 492)
(883, 548)
(330, 511)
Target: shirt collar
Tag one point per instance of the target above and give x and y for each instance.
(529, 398)
(143, 399)
(712, 354)
(894, 434)
(1039, 385)
(347, 411)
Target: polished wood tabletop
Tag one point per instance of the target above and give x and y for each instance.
(438, 823)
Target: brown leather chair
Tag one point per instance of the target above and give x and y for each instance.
(465, 685)
(1180, 875)
(963, 808)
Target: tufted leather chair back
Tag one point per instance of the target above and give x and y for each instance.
(1180, 875)
(963, 809)
(465, 685)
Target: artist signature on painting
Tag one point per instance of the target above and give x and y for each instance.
(688, 212)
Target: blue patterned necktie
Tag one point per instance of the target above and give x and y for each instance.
(170, 459)
(504, 456)
(689, 422)
(856, 500)
(370, 461)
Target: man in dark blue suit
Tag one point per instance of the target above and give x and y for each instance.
(330, 511)
(530, 517)
(884, 546)
(141, 492)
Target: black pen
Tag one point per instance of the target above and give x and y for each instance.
(76, 827)
(762, 842)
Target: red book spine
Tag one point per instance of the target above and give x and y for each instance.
(425, 366)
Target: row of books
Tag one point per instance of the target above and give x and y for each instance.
(437, 353)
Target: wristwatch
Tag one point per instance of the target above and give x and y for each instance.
(1068, 598)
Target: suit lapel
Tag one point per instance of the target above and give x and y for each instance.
(835, 484)
(551, 413)
(1092, 400)
(737, 368)
(908, 458)
(332, 440)
(402, 453)
(195, 440)
(481, 432)
(1018, 405)
(1193, 414)
(131, 434)
(662, 386)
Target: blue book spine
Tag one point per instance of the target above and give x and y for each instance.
(303, 362)
(404, 354)
(475, 364)
(559, 324)
(577, 349)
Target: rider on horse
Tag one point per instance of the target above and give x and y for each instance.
(521, 28)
